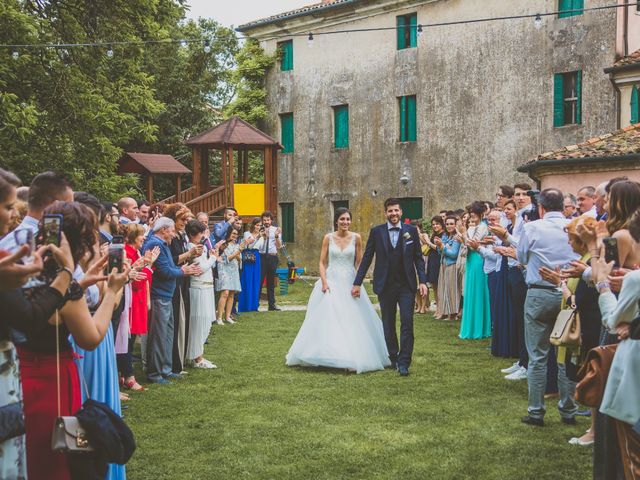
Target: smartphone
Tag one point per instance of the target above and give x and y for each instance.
(611, 251)
(52, 229)
(116, 257)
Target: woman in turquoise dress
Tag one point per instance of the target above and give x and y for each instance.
(476, 315)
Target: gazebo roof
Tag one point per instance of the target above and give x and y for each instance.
(234, 131)
(132, 162)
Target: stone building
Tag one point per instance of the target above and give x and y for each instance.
(435, 115)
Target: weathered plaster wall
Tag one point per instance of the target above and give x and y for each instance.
(484, 98)
(573, 180)
(633, 29)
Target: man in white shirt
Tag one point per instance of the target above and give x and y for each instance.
(587, 201)
(545, 243)
(269, 257)
(128, 209)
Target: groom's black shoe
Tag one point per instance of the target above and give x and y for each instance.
(403, 371)
(393, 365)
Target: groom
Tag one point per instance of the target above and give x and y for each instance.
(398, 259)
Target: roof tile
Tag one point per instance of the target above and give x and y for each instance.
(234, 131)
(630, 59)
(152, 163)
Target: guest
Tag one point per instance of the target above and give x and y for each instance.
(448, 248)
(249, 297)
(269, 257)
(220, 228)
(160, 337)
(421, 301)
(504, 195)
(144, 209)
(38, 352)
(181, 255)
(624, 200)
(476, 315)
(570, 204)
(203, 307)
(228, 281)
(108, 219)
(434, 260)
(620, 400)
(140, 300)
(601, 199)
(586, 201)
(544, 243)
(128, 209)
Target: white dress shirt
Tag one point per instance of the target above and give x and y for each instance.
(394, 234)
(8, 242)
(544, 243)
(269, 244)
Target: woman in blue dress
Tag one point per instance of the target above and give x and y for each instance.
(476, 315)
(249, 297)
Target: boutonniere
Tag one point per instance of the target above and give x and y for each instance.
(406, 236)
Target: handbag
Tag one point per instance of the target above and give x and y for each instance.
(248, 257)
(566, 330)
(593, 375)
(68, 434)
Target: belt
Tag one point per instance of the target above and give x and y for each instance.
(541, 287)
(270, 254)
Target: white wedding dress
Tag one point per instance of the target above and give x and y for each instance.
(340, 331)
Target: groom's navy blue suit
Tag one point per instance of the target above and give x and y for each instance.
(394, 281)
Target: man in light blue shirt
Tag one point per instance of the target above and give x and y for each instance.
(545, 243)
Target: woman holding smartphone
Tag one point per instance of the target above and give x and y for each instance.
(228, 281)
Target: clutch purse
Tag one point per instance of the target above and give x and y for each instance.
(69, 436)
(566, 330)
(249, 257)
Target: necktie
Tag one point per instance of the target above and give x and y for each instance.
(266, 243)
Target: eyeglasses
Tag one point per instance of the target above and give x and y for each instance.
(499, 195)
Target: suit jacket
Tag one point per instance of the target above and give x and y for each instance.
(379, 244)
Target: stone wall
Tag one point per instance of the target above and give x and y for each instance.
(484, 100)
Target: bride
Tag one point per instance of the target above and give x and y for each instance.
(340, 331)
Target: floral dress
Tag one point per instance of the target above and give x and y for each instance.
(12, 451)
(229, 270)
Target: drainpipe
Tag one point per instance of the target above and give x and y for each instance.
(618, 101)
(625, 29)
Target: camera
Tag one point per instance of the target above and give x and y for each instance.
(532, 214)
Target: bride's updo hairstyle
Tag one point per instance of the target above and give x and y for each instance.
(337, 214)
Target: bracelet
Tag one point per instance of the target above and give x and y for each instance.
(603, 286)
(67, 270)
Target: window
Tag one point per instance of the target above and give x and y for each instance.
(567, 98)
(336, 204)
(286, 132)
(406, 28)
(286, 210)
(570, 8)
(411, 208)
(285, 50)
(407, 107)
(635, 105)
(341, 126)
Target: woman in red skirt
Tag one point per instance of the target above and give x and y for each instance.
(38, 352)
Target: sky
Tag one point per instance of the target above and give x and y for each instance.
(237, 12)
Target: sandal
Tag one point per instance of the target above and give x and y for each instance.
(132, 384)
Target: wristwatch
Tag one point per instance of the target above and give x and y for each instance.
(603, 286)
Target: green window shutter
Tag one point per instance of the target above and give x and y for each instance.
(286, 137)
(635, 105)
(579, 95)
(413, 32)
(577, 5)
(341, 126)
(558, 100)
(403, 119)
(288, 226)
(286, 55)
(411, 118)
(411, 208)
(563, 7)
(401, 23)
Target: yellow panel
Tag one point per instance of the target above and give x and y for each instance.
(248, 198)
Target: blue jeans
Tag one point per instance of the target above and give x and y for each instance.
(160, 338)
(540, 311)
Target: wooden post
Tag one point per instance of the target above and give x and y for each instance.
(204, 169)
(245, 169)
(178, 186)
(197, 169)
(274, 178)
(266, 157)
(223, 173)
(231, 174)
(240, 165)
(150, 187)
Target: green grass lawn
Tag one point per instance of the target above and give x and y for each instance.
(454, 417)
